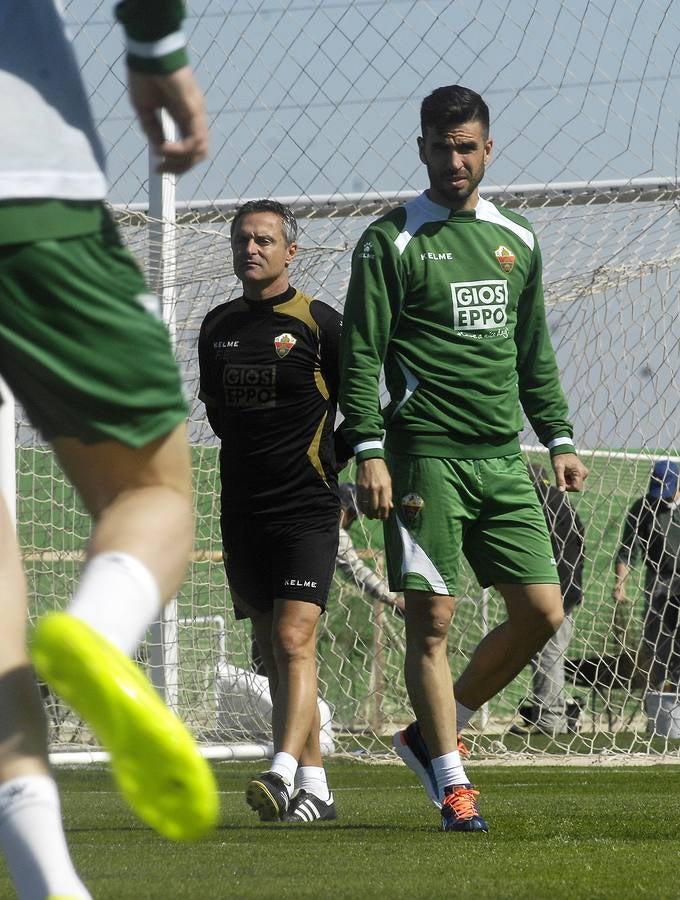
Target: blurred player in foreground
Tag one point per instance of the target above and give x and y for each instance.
(83, 348)
(446, 293)
(269, 380)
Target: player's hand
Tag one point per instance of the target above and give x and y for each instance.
(179, 93)
(374, 489)
(570, 473)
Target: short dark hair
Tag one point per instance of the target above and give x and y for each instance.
(453, 105)
(290, 228)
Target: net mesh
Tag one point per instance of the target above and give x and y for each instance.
(318, 104)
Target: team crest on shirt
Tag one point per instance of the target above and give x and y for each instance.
(283, 344)
(505, 257)
(411, 504)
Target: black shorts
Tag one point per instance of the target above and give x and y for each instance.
(278, 561)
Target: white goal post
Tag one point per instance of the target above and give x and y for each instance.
(317, 105)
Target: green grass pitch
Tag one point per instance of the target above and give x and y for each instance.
(574, 832)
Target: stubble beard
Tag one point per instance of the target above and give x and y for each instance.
(456, 199)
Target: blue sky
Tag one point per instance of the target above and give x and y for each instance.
(316, 98)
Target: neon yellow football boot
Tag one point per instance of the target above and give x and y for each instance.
(153, 757)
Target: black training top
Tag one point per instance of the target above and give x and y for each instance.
(651, 532)
(269, 377)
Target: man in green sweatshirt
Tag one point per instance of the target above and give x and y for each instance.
(446, 296)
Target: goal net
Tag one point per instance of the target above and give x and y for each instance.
(317, 105)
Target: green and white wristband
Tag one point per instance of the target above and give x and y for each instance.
(159, 57)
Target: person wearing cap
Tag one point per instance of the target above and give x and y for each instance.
(547, 712)
(349, 563)
(651, 533)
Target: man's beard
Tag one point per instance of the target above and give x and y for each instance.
(457, 197)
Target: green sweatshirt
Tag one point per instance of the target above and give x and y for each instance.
(451, 304)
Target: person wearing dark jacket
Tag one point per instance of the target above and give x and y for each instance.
(548, 701)
(651, 533)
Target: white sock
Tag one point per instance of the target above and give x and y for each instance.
(448, 770)
(33, 842)
(118, 597)
(285, 765)
(313, 780)
(463, 716)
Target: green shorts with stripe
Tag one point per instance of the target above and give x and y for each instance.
(82, 345)
(486, 509)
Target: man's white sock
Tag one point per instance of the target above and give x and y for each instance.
(285, 765)
(448, 770)
(33, 842)
(313, 780)
(118, 597)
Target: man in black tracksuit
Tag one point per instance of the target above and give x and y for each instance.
(269, 380)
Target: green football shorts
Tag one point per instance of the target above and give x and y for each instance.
(82, 345)
(486, 509)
